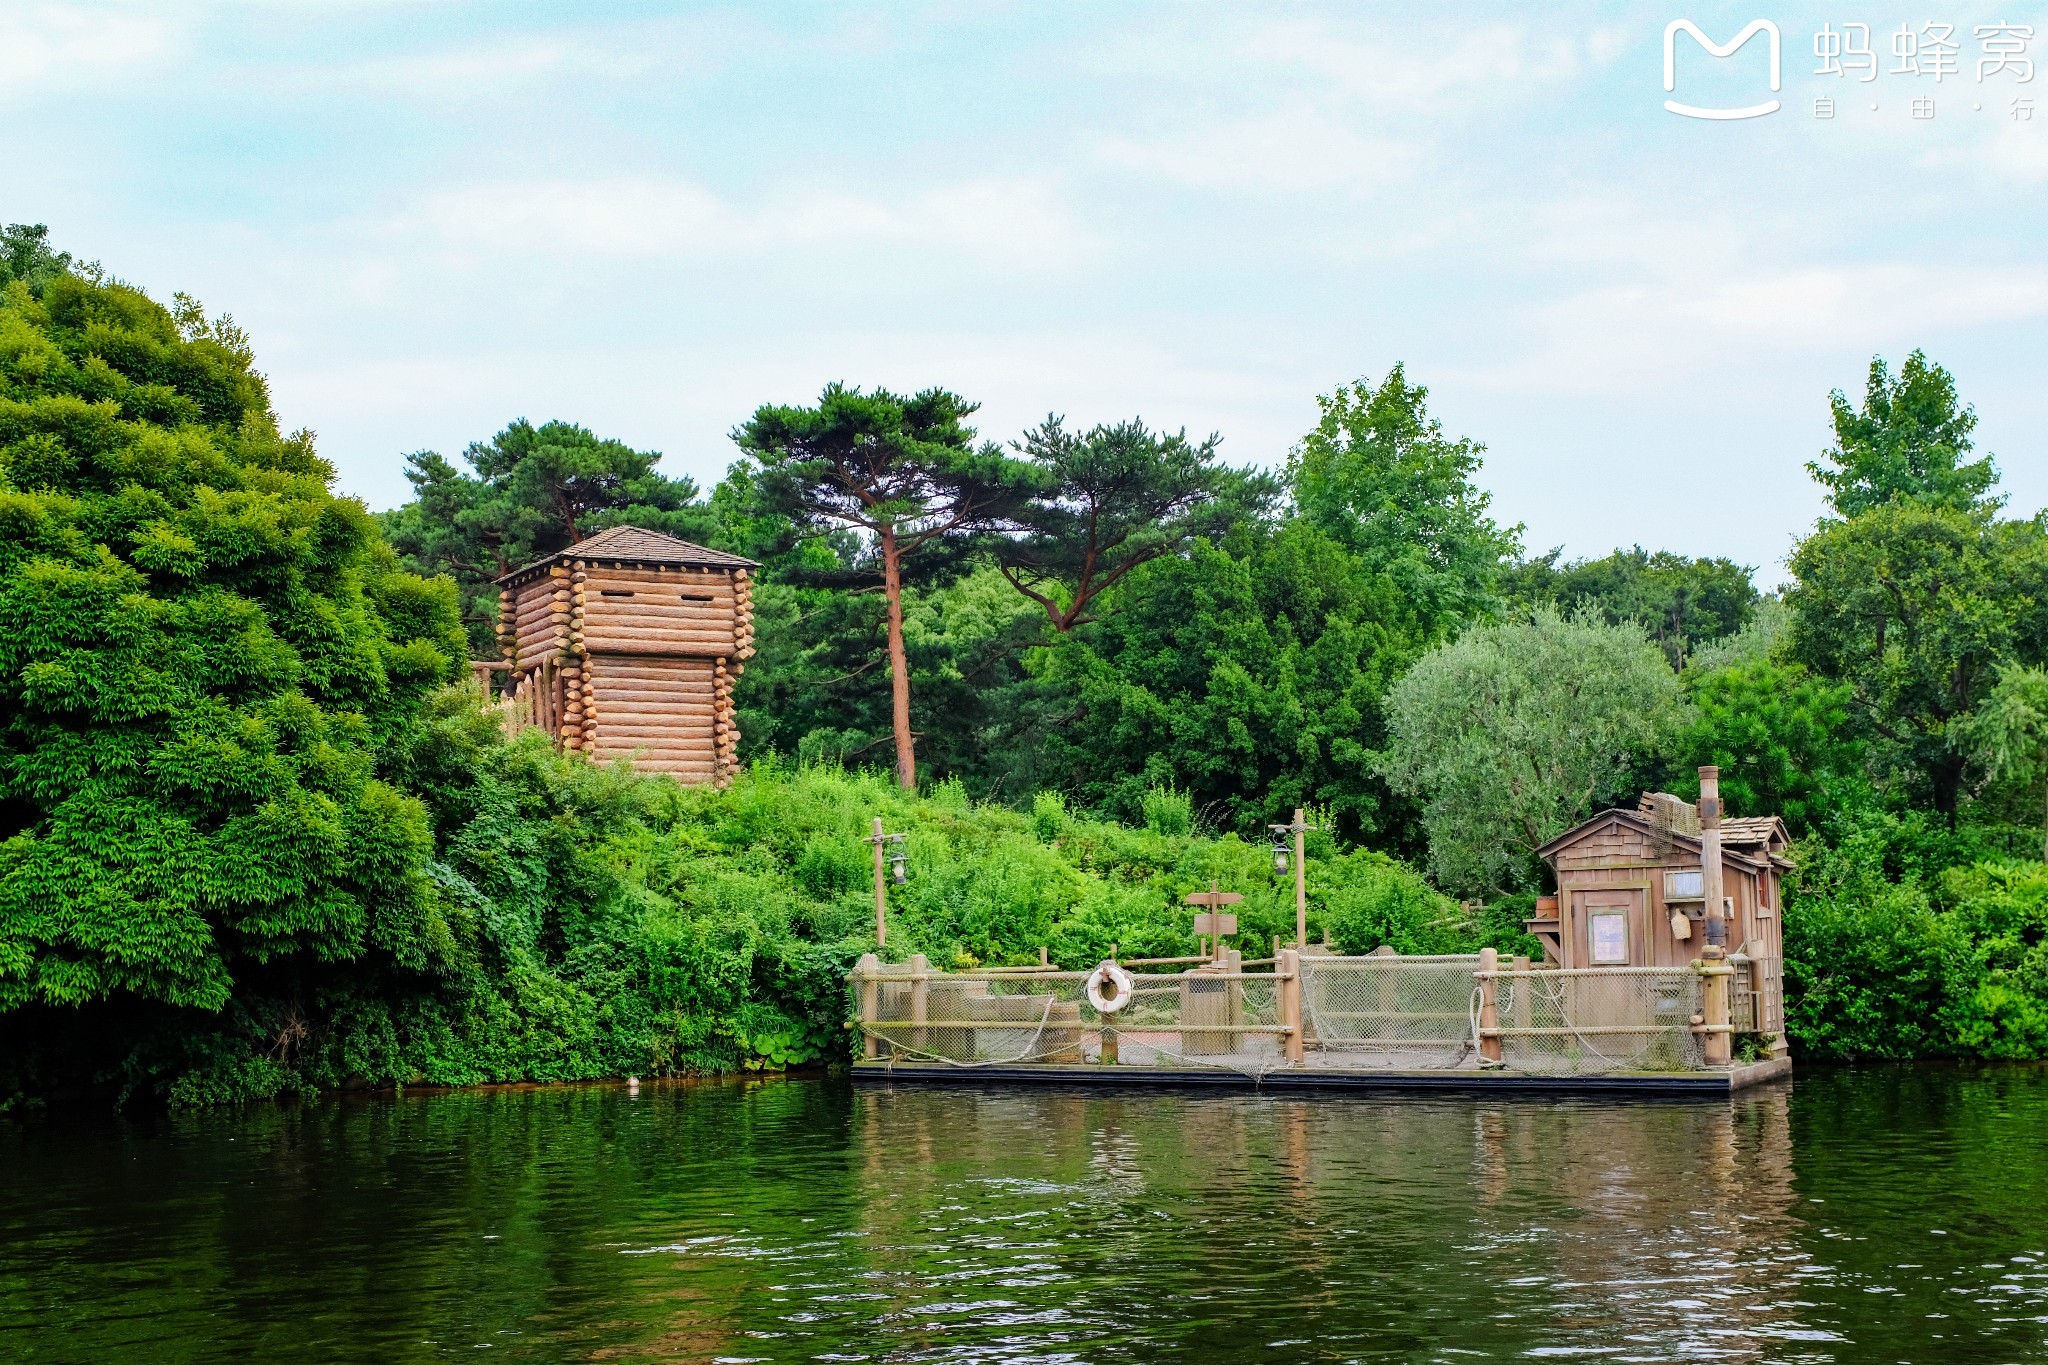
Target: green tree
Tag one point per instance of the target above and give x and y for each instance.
(1916, 606)
(1248, 674)
(1514, 731)
(1379, 475)
(901, 472)
(1907, 442)
(1111, 500)
(25, 255)
(2011, 732)
(1781, 737)
(1683, 603)
(203, 654)
(529, 491)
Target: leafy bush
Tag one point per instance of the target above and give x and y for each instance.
(203, 653)
(1168, 811)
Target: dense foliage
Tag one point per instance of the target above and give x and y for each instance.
(253, 836)
(203, 653)
(1683, 603)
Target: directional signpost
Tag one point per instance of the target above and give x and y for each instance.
(1213, 924)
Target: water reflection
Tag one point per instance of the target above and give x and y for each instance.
(1359, 1226)
(1895, 1214)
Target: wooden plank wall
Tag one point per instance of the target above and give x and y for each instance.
(1621, 856)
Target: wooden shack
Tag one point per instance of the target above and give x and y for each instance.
(1653, 886)
(627, 644)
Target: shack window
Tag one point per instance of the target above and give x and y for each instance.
(1609, 931)
(1685, 886)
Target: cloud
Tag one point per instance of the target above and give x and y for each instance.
(1018, 221)
(1293, 149)
(1675, 328)
(58, 46)
(1373, 58)
(589, 53)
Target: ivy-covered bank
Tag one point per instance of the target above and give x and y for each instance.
(602, 924)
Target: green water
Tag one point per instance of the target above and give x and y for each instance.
(1896, 1214)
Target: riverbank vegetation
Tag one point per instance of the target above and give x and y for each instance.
(257, 833)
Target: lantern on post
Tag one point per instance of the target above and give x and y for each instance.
(1299, 828)
(889, 849)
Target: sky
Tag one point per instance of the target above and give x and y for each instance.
(651, 219)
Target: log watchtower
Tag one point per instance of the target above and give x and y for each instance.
(626, 645)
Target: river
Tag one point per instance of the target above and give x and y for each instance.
(1878, 1214)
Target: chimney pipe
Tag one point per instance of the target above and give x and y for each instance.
(1710, 855)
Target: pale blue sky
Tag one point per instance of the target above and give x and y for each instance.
(651, 218)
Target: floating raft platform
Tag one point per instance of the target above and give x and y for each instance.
(1325, 1079)
(1455, 1024)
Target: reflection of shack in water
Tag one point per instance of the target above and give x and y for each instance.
(1593, 1216)
(1638, 991)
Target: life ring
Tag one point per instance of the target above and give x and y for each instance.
(1109, 988)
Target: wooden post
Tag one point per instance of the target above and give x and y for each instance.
(1300, 878)
(1523, 991)
(1714, 973)
(881, 896)
(870, 1001)
(1710, 857)
(1288, 988)
(1489, 1004)
(920, 999)
(1233, 963)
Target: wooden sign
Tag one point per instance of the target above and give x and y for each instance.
(1212, 923)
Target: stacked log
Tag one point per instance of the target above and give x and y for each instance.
(725, 730)
(742, 614)
(508, 629)
(619, 659)
(533, 625)
(574, 716)
(661, 712)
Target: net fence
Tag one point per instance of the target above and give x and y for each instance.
(1374, 1012)
(1205, 1018)
(1599, 1019)
(1402, 1013)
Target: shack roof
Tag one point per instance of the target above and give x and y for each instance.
(1755, 839)
(633, 545)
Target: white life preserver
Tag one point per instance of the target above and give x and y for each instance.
(1109, 988)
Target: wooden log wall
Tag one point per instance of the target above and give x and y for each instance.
(633, 661)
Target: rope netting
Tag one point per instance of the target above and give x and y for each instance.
(1403, 1013)
(1228, 1020)
(1374, 1012)
(1597, 1019)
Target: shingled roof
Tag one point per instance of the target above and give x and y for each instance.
(1753, 839)
(1758, 831)
(633, 545)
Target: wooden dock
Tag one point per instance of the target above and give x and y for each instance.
(1702, 1085)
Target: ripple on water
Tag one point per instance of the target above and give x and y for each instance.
(1897, 1214)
